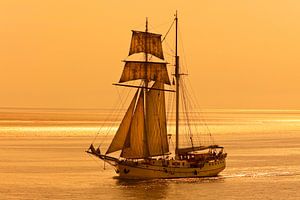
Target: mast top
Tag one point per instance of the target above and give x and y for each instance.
(146, 24)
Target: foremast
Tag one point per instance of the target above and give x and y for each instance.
(146, 153)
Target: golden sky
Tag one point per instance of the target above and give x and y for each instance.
(67, 53)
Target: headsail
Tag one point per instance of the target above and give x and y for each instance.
(146, 42)
(156, 121)
(120, 137)
(134, 146)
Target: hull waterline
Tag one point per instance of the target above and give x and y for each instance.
(146, 171)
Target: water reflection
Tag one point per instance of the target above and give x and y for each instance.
(144, 189)
(159, 188)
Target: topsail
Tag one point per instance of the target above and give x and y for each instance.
(147, 43)
(150, 71)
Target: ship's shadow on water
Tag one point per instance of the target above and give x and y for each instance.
(133, 182)
(158, 188)
(143, 189)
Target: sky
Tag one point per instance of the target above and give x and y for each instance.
(67, 53)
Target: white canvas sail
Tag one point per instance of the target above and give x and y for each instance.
(135, 146)
(156, 121)
(120, 137)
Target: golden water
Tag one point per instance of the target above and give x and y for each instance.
(42, 156)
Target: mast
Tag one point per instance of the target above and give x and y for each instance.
(145, 92)
(177, 85)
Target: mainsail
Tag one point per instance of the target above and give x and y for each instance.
(157, 123)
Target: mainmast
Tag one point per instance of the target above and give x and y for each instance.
(177, 75)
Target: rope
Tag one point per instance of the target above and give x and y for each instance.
(96, 160)
(115, 113)
(190, 101)
(168, 31)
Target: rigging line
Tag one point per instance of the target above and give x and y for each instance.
(96, 160)
(170, 105)
(186, 103)
(107, 119)
(196, 103)
(120, 110)
(159, 25)
(183, 119)
(186, 112)
(173, 113)
(171, 99)
(117, 105)
(192, 107)
(191, 100)
(170, 48)
(168, 31)
(139, 90)
(201, 113)
(183, 51)
(168, 54)
(190, 103)
(163, 40)
(115, 114)
(185, 62)
(139, 26)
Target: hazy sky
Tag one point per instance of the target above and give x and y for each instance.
(67, 53)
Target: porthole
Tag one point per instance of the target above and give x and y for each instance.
(126, 171)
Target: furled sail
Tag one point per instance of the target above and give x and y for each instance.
(151, 71)
(120, 137)
(146, 42)
(156, 121)
(134, 146)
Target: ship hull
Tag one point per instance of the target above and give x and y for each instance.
(150, 171)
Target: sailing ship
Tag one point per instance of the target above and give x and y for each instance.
(142, 136)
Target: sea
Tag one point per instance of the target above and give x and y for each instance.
(42, 156)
